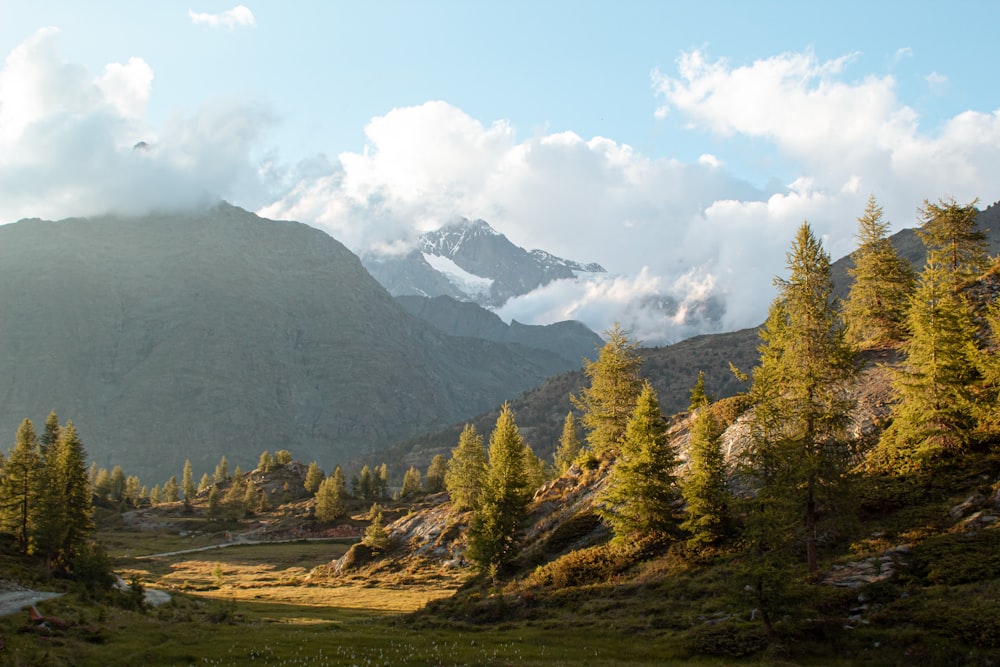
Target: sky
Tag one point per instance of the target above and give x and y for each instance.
(680, 145)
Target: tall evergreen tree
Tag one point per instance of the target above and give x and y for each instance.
(314, 476)
(875, 309)
(954, 243)
(329, 501)
(805, 368)
(187, 481)
(20, 488)
(569, 444)
(51, 434)
(73, 488)
(504, 498)
(706, 498)
(221, 470)
(338, 481)
(171, 493)
(380, 481)
(466, 470)
(411, 483)
(434, 478)
(117, 483)
(608, 401)
(936, 410)
(266, 462)
(376, 537)
(366, 484)
(641, 488)
(204, 482)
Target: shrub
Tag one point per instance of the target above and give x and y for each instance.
(733, 639)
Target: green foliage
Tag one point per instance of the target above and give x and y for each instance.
(338, 481)
(187, 481)
(411, 483)
(329, 500)
(466, 470)
(935, 411)
(266, 462)
(21, 487)
(366, 485)
(51, 434)
(204, 482)
(214, 503)
(376, 538)
(221, 471)
(314, 477)
(875, 309)
(698, 396)
(581, 567)
(732, 639)
(282, 457)
(68, 482)
(503, 500)
(641, 488)
(569, 445)
(706, 496)
(953, 241)
(958, 558)
(435, 476)
(608, 401)
(536, 473)
(171, 493)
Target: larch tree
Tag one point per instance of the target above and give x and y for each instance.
(954, 242)
(329, 501)
(802, 394)
(641, 488)
(434, 477)
(50, 435)
(875, 308)
(411, 484)
(569, 444)
(380, 481)
(936, 411)
(314, 477)
(466, 470)
(204, 482)
(339, 482)
(20, 487)
(376, 537)
(222, 470)
(366, 484)
(187, 481)
(706, 498)
(171, 493)
(72, 486)
(504, 498)
(608, 401)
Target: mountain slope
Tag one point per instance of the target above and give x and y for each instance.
(197, 335)
(470, 261)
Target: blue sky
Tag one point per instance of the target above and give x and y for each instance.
(677, 144)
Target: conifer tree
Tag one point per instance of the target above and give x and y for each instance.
(117, 483)
(282, 457)
(132, 489)
(376, 538)
(155, 495)
(187, 481)
(171, 494)
(800, 390)
(236, 492)
(214, 503)
(706, 498)
(314, 476)
(954, 243)
(102, 484)
(51, 434)
(466, 470)
(936, 410)
(380, 481)
(264, 504)
(266, 462)
(569, 444)
(536, 473)
(71, 485)
(434, 478)
(20, 487)
(249, 499)
(503, 500)
(609, 400)
(204, 482)
(641, 488)
(221, 470)
(329, 501)
(338, 481)
(875, 309)
(366, 484)
(411, 483)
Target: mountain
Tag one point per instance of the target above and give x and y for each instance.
(194, 335)
(470, 261)
(570, 340)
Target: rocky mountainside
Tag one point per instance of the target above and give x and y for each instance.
(192, 336)
(470, 261)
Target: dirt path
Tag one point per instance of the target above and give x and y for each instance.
(238, 543)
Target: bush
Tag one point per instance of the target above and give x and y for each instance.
(732, 639)
(581, 567)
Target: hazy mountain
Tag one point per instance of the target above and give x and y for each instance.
(570, 340)
(191, 336)
(470, 261)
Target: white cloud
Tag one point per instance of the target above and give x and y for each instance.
(938, 83)
(67, 137)
(233, 18)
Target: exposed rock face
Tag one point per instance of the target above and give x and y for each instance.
(190, 336)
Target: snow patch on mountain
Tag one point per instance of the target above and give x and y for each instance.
(469, 284)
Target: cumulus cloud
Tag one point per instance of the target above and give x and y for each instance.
(236, 17)
(67, 138)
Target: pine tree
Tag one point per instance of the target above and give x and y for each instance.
(936, 410)
(380, 481)
(329, 501)
(170, 491)
(536, 473)
(503, 500)
(800, 391)
(73, 488)
(204, 482)
(155, 495)
(314, 476)
(51, 434)
(20, 487)
(411, 484)
(608, 401)
(366, 484)
(338, 481)
(466, 470)
(282, 457)
(264, 504)
(117, 483)
(249, 499)
(706, 498)
(214, 503)
(102, 484)
(569, 445)
(434, 477)
(187, 481)
(221, 471)
(266, 462)
(641, 488)
(954, 243)
(376, 538)
(875, 309)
